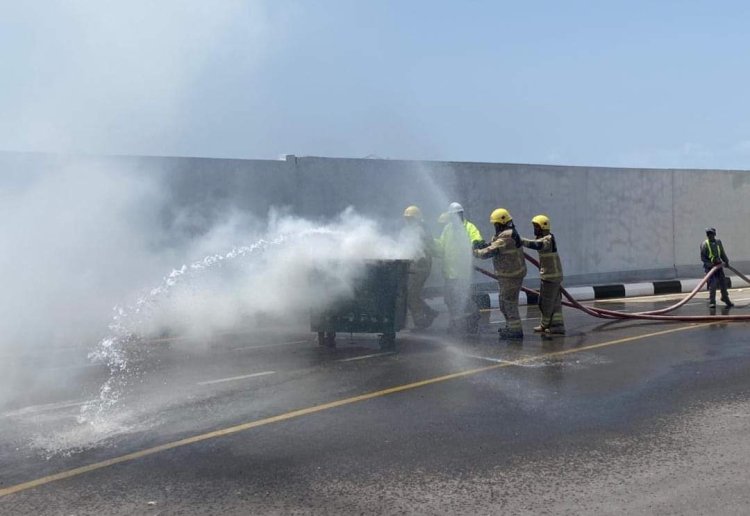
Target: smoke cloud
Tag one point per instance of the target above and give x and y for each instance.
(88, 235)
(80, 235)
(272, 279)
(74, 238)
(97, 255)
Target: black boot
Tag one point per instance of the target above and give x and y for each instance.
(507, 334)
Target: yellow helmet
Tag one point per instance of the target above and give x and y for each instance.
(542, 221)
(500, 216)
(413, 211)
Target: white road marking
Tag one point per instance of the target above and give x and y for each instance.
(367, 356)
(233, 378)
(502, 320)
(488, 359)
(699, 299)
(63, 368)
(241, 348)
(35, 409)
(44, 352)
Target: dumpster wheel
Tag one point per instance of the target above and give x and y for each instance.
(387, 341)
(327, 339)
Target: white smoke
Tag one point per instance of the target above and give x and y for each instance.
(84, 236)
(75, 240)
(97, 77)
(262, 276)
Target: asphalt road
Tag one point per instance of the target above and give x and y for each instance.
(625, 417)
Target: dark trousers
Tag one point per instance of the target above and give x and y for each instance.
(550, 304)
(718, 280)
(510, 288)
(462, 308)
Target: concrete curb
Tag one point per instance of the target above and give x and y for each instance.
(616, 290)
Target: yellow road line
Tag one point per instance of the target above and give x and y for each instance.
(315, 409)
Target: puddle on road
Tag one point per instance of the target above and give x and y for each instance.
(81, 437)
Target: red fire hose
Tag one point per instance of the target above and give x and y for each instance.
(653, 315)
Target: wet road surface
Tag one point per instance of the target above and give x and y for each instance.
(623, 417)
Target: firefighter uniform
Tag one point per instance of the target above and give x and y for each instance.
(454, 246)
(712, 253)
(419, 268)
(510, 267)
(551, 274)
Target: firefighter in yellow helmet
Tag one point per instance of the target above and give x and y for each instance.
(551, 274)
(510, 267)
(419, 268)
(454, 246)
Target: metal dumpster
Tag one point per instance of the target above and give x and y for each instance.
(377, 305)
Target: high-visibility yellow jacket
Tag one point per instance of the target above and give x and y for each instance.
(454, 247)
(712, 252)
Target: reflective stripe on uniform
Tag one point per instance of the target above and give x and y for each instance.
(711, 255)
(510, 263)
(550, 267)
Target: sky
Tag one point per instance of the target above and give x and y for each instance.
(609, 83)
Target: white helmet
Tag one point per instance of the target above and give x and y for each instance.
(454, 207)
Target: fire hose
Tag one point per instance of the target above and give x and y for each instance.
(653, 315)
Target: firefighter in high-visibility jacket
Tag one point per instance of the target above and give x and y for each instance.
(506, 252)
(454, 247)
(712, 253)
(551, 275)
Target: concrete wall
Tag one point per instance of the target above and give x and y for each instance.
(719, 199)
(612, 224)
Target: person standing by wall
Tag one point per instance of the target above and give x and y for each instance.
(454, 246)
(551, 275)
(712, 254)
(419, 267)
(510, 266)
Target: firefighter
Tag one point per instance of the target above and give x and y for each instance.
(507, 255)
(551, 275)
(712, 253)
(419, 268)
(454, 246)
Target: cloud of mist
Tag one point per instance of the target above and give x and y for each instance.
(83, 236)
(266, 276)
(97, 77)
(74, 240)
(293, 267)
